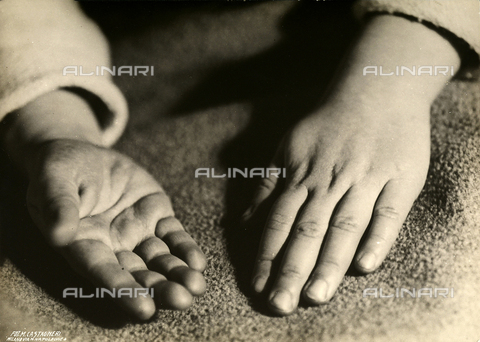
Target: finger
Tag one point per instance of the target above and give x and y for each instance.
(346, 227)
(153, 207)
(300, 254)
(390, 212)
(156, 255)
(278, 226)
(167, 294)
(97, 262)
(264, 190)
(54, 206)
(180, 243)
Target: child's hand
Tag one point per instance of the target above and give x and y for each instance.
(359, 162)
(107, 216)
(114, 224)
(347, 169)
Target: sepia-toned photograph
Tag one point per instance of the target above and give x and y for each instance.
(240, 171)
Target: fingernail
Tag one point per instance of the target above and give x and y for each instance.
(317, 291)
(282, 300)
(247, 213)
(367, 261)
(258, 284)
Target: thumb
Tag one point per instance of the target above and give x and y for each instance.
(54, 207)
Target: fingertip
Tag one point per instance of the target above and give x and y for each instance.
(143, 308)
(316, 292)
(259, 283)
(281, 302)
(366, 262)
(195, 259)
(261, 275)
(193, 280)
(173, 296)
(199, 264)
(138, 306)
(247, 214)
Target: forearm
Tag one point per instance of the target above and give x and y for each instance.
(56, 115)
(391, 42)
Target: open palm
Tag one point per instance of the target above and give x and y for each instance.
(114, 224)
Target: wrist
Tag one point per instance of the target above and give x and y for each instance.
(56, 115)
(376, 72)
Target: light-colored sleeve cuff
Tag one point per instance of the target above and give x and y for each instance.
(105, 90)
(460, 17)
(38, 40)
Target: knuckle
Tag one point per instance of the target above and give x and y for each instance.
(309, 229)
(278, 221)
(387, 212)
(291, 272)
(382, 239)
(266, 184)
(329, 263)
(347, 224)
(265, 258)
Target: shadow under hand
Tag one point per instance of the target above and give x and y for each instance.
(282, 84)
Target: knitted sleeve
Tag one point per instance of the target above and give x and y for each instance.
(38, 39)
(460, 17)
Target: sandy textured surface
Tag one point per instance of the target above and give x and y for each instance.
(229, 80)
